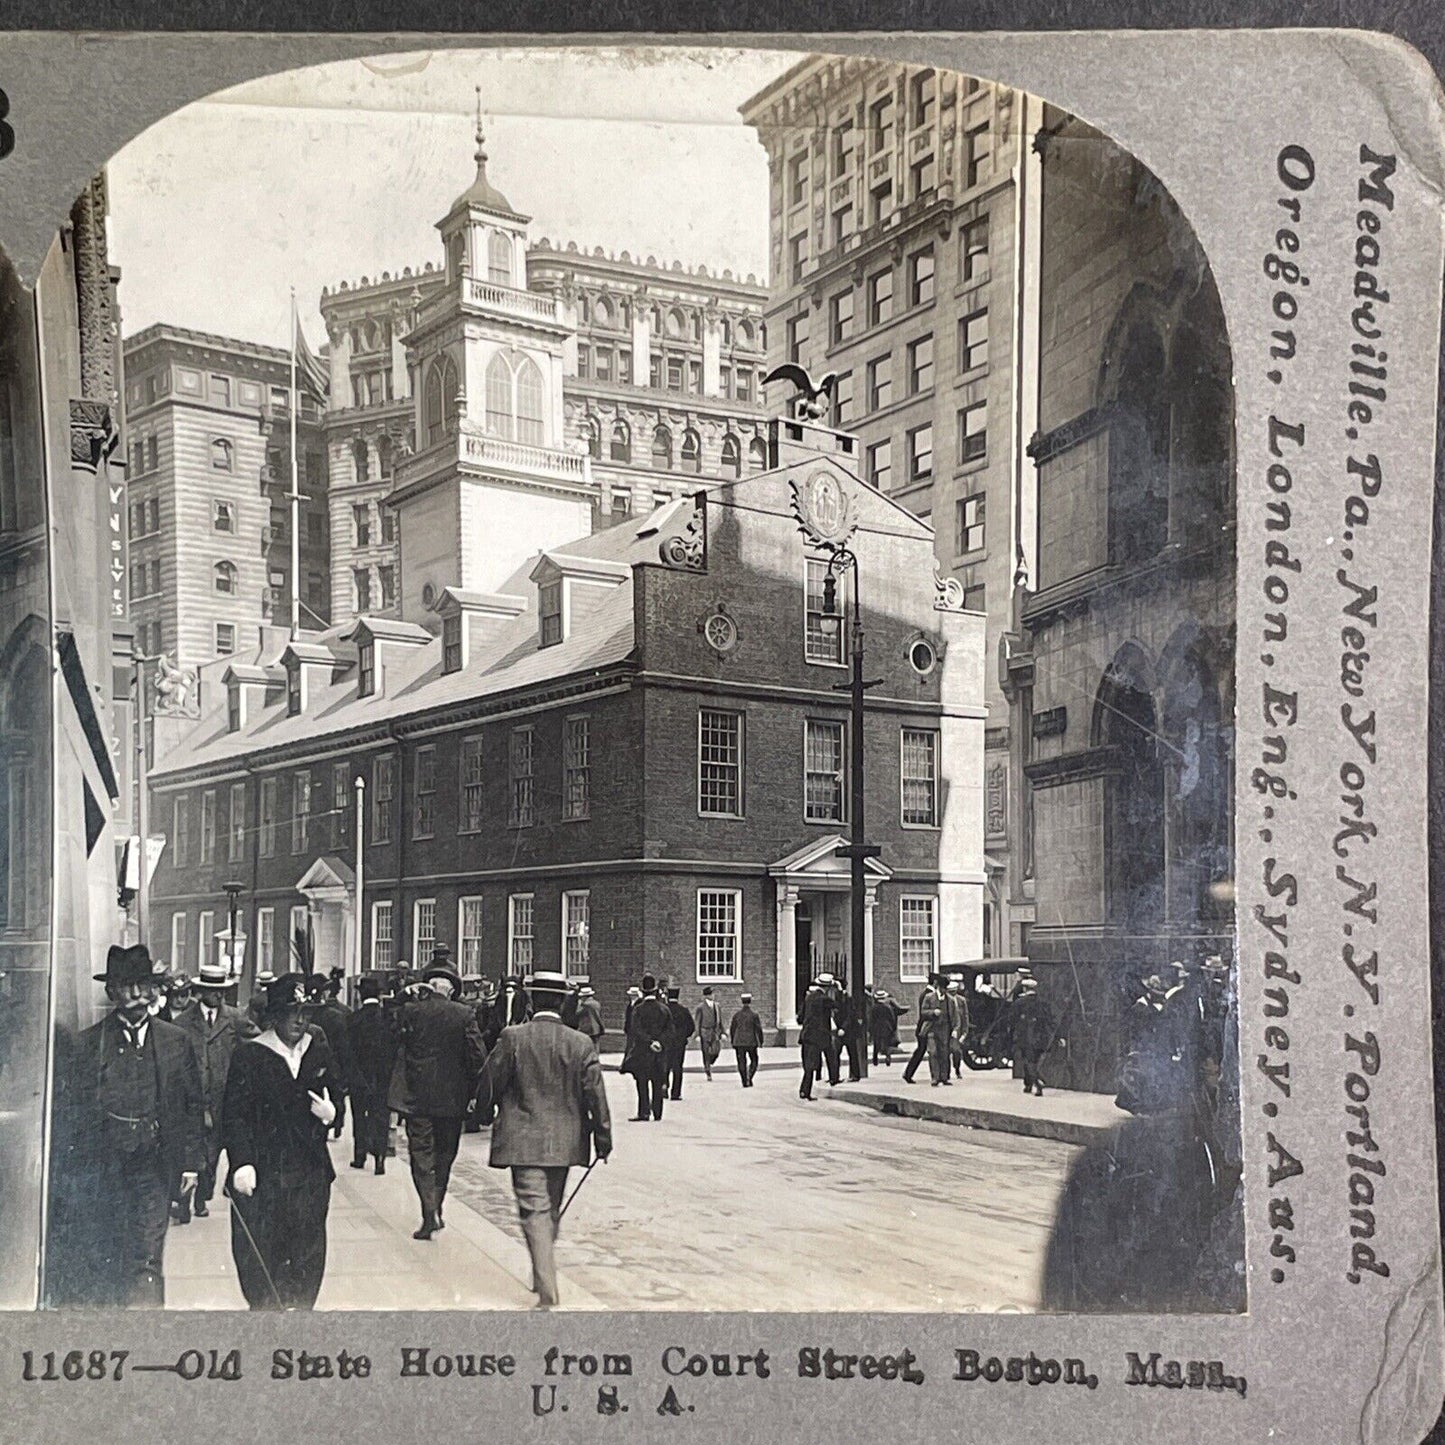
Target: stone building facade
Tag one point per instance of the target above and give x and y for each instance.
(1121, 673)
(208, 494)
(898, 196)
(621, 751)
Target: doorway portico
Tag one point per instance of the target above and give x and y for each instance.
(813, 897)
(329, 888)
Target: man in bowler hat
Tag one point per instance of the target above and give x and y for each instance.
(543, 1094)
(651, 1032)
(128, 1137)
(372, 1037)
(434, 1082)
(280, 1105)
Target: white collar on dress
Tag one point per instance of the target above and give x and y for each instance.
(272, 1040)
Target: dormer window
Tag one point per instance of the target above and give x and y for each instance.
(549, 608)
(233, 709)
(452, 643)
(293, 690)
(366, 669)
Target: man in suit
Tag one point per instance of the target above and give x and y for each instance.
(931, 1007)
(957, 1025)
(128, 1138)
(745, 1033)
(509, 1007)
(543, 1094)
(589, 1016)
(708, 1020)
(215, 1028)
(433, 1083)
(279, 1106)
(676, 1050)
(817, 1032)
(651, 1031)
(330, 1015)
(371, 1038)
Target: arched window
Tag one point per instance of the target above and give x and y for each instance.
(223, 578)
(363, 460)
(691, 451)
(441, 395)
(757, 454)
(676, 322)
(383, 455)
(373, 336)
(499, 258)
(516, 399)
(732, 456)
(222, 455)
(602, 312)
(727, 332)
(594, 438)
(621, 442)
(1139, 448)
(662, 449)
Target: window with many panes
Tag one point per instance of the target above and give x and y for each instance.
(920, 453)
(300, 812)
(208, 826)
(267, 821)
(977, 151)
(576, 928)
(383, 787)
(424, 779)
(827, 633)
(423, 930)
(969, 517)
(880, 382)
(236, 824)
(880, 464)
(469, 934)
(973, 251)
(265, 940)
(471, 765)
(719, 763)
(181, 829)
(521, 808)
(823, 790)
(920, 277)
(340, 803)
(719, 934)
(973, 432)
(452, 643)
(840, 316)
(917, 942)
(880, 297)
(920, 365)
(521, 910)
(383, 936)
(365, 669)
(919, 795)
(973, 340)
(549, 608)
(178, 941)
(576, 767)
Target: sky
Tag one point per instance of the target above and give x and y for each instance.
(342, 171)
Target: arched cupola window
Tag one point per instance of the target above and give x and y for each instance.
(516, 399)
(441, 396)
(499, 258)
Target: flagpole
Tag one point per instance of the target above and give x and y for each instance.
(295, 487)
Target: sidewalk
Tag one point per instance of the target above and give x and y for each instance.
(372, 1261)
(987, 1100)
(768, 1058)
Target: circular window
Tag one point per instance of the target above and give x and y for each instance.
(428, 595)
(721, 632)
(921, 657)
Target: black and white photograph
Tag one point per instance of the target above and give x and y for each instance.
(649, 674)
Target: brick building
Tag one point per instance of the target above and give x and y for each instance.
(208, 487)
(1121, 672)
(613, 752)
(898, 198)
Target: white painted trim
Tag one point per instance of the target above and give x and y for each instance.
(737, 976)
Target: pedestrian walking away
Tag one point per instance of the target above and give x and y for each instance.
(372, 1037)
(216, 1029)
(433, 1083)
(1033, 1031)
(745, 1033)
(279, 1107)
(331, 1016)
(816, 1037)
(647, 1057)
(128, 1138)
(883, 1025)
(676, 1050)
(707, 1019)
(589, 1016)
(542, 1093)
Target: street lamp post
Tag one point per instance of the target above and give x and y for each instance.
(858, 850)
(233, 892)
(359, 907)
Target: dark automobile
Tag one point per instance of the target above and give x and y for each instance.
(987, 986)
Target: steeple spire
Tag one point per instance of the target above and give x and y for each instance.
(481, 153)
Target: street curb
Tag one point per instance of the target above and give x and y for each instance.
(905, 1106)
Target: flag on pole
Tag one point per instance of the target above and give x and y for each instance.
(309, 363)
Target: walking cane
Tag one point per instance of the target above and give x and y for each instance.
(577, 1190)
(255, 1248)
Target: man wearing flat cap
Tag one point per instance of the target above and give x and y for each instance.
(127, 1117)
(543, 1094)
(434, 1082)
(279, 1107)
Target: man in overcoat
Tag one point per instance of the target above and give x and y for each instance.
(433, 1083)
(589, 1016)
(330, 1015)
(648, 1045)
(745, 1033)
(128, 1138)
(216, 1029)
(933, 1026)
(817, 1032)
(372, 1039)
(543, 1094)
(707, 1017)
(676, 1050)
(279, 1107)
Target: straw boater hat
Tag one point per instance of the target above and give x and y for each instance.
(586, 991)
(747, 998)
(825, 980)
(132, 964)
(214, 975)
(554, 985)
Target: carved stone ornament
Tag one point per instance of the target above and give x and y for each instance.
(93, 436)
(824, 510)
(719, 630)
(686, 551)
(948, 593)
(177, 689)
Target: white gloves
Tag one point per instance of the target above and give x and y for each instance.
(321, 1107)
(243, 1181)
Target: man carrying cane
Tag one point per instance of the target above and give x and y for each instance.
(279, 1108)
(542, 1092)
